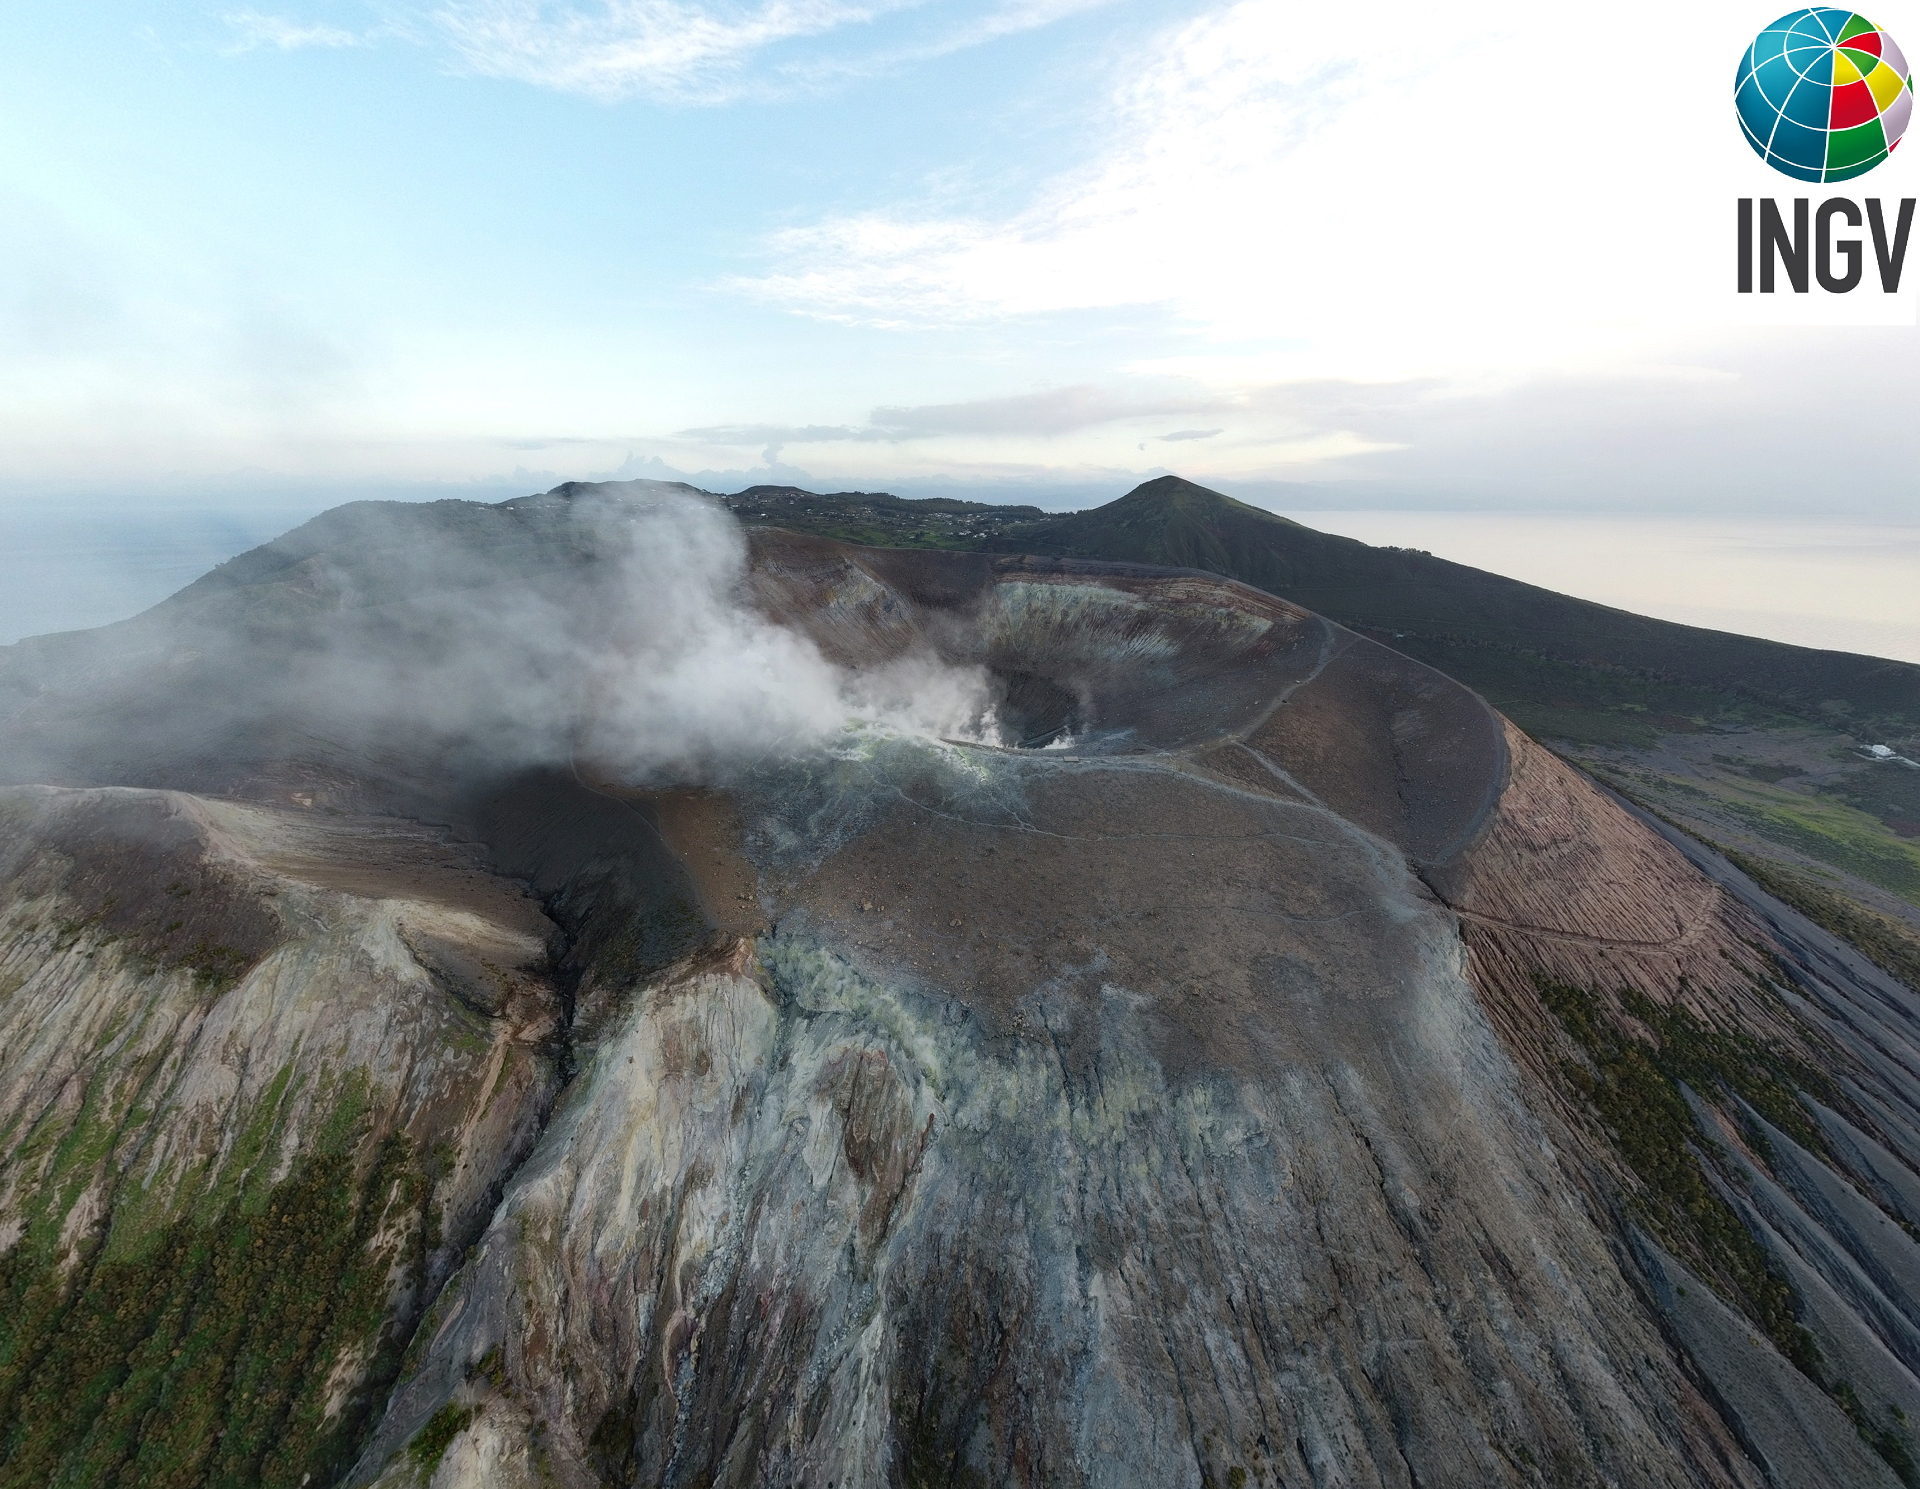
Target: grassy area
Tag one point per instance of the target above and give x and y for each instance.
(1807, 802)
(431, 1442)
(1837, 834)
(1888, 791)
(1633, 1087)
(1882, 939)
(194, 1340)
(878, 520)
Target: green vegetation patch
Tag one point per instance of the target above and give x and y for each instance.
(1837, 834)
(431, 1442)
(1634, 1087)
(1886, 790)
(876, 519)
(1890, 945)
(204, 1351)
(1830, 823)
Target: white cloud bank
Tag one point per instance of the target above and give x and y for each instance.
(1408, 190)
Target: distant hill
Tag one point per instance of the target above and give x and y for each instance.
(881, 520)
(1559, 665)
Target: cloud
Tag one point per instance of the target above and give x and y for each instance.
(1696, 427)
(1273, 173)
(1051, 412)
(682, 51)
(622, 47)
(1183, 182)
(672, 51)
(776, 434)
(255, 30)
(1279, 428)
(1007, 18)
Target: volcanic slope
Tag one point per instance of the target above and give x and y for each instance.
(1745, 742)
(1565, 667)
(1263, 1066)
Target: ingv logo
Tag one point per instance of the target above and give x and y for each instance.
(1792, 248)
(1822, 95)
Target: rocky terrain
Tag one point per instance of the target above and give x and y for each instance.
(465, 1025)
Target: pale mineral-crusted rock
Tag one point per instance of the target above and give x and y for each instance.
(800, 1224)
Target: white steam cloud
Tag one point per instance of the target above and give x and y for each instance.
(611, 629)
(701, 683)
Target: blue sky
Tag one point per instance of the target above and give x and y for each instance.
(1035, 249)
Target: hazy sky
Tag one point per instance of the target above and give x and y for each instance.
(1459, 255)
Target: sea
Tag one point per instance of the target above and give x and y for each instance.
(66, 567)
(1837, 584)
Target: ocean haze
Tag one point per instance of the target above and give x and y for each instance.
(1838, 585)
(65, 570)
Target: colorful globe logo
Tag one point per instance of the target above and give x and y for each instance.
(1823, 94)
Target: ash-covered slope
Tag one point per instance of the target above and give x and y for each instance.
(1489, 625)
(1021, 1022)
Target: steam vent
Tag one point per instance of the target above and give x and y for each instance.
(577, 993)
